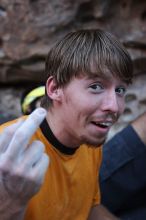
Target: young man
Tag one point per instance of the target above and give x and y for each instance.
(123, 158)
(87, 74)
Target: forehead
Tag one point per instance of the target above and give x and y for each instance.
(104, 75)
(85, 81)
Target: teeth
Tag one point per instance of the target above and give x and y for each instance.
(107, 124)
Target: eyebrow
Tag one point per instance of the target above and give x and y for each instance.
(105, 77)
(97, 77)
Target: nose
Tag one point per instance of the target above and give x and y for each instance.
(110, 103)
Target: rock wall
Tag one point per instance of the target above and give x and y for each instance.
(30, 27)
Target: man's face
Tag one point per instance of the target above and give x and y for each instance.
(89, 107)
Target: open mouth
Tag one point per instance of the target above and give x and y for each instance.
(103, 124)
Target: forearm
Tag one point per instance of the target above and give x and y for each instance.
(100, 212)
(139, 125)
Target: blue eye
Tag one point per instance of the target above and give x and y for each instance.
(96, 87)
(121, 91)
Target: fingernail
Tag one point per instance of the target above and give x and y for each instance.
(41, 111)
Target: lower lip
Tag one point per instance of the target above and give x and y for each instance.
(100, 129)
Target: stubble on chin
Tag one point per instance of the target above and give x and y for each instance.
(95, 143)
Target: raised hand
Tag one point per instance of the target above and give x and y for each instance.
(22, 164)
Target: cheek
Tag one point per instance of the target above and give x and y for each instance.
(80, 111)
(121, 106)
(85, 111)
(81, 106)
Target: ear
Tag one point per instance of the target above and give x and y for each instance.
(52, 90)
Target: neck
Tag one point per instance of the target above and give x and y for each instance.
(60, 131)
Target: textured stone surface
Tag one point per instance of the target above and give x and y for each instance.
(30, 27)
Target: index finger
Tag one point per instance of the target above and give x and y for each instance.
(24, 133)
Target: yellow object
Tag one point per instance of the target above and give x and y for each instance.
(70, 187)
(31, 96)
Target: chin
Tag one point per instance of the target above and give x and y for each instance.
(95, 142)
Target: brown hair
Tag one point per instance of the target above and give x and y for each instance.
(87, 52)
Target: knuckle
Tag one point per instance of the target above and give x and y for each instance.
(20, 134)
(18, 172)
(45, 158)
(33, 177)
(5, 162)
(39, 144)
(19, 137)
(6, 168)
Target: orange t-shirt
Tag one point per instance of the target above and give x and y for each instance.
(70, 187)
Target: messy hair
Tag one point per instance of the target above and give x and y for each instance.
(88, 52)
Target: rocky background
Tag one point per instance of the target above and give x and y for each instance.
(30, 27)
